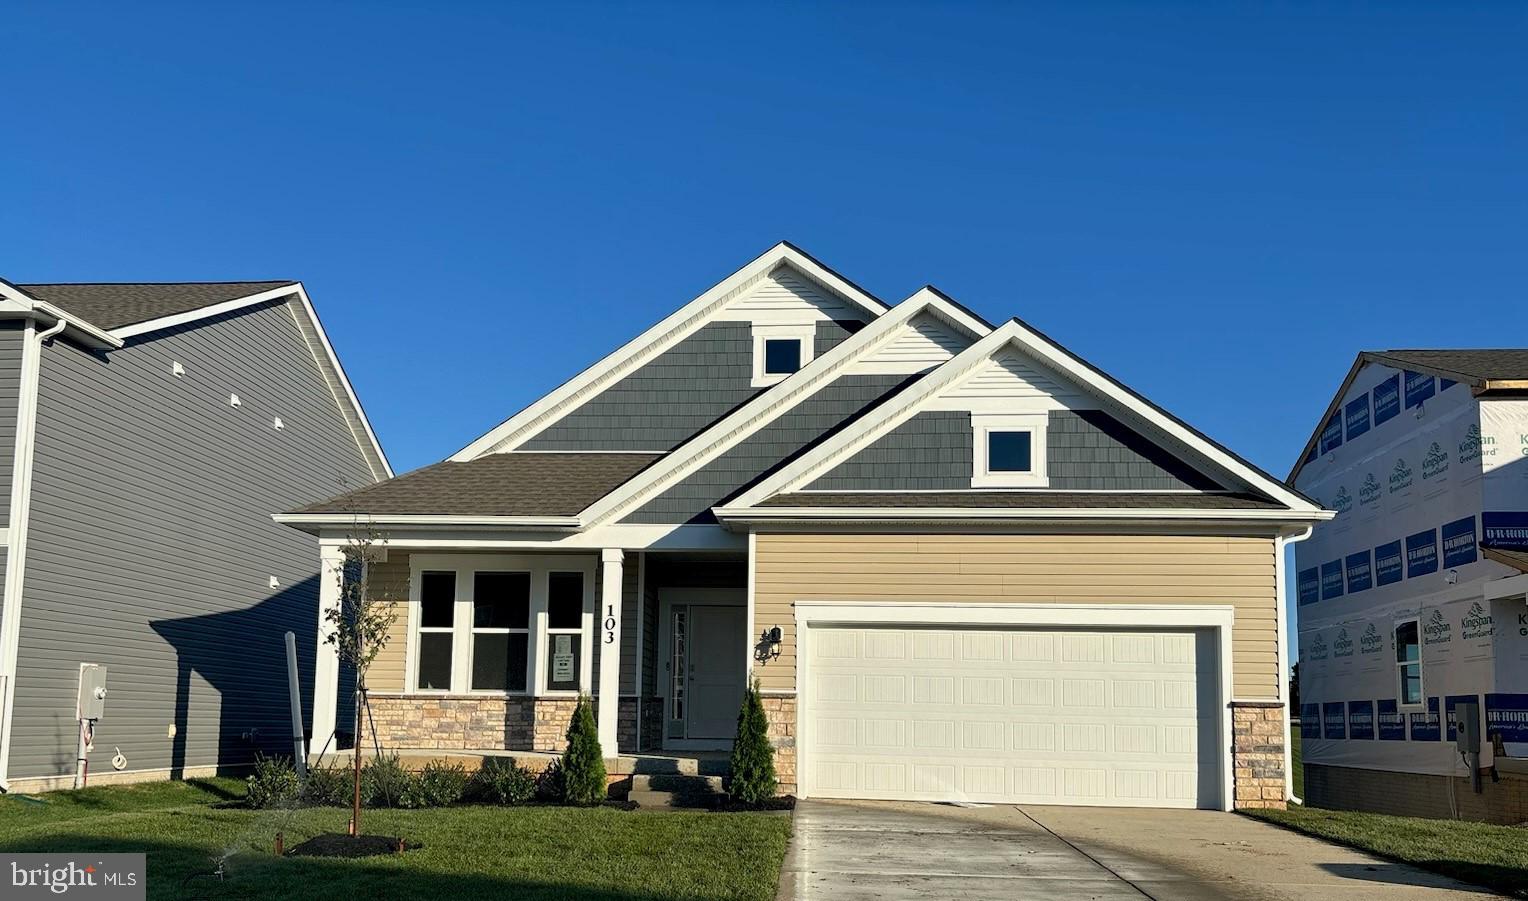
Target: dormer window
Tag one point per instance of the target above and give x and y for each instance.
(1009, 450)
(780, 350)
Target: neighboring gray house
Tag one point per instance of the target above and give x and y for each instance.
(146, 432)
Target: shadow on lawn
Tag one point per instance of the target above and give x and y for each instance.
(186, 872)
(1476, 876)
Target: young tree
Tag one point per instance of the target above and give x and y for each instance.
(583, 763)
(358, 629)
(753, 757)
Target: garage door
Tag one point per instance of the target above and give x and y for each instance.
(1123, 718)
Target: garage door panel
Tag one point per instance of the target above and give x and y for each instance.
(1020, 716)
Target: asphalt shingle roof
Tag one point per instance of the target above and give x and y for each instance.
(1500, 363)
(113, 305)
(512, 484)
(1165, 500)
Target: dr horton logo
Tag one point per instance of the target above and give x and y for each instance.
(116, 876)
(1400, 476)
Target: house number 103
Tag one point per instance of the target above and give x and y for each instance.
(610, 624)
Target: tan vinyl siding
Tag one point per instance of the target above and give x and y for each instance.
(390, 581)
(1029, 569)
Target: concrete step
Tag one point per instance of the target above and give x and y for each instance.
(677, 783)
(656, 800)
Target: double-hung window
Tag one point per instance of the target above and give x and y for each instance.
(501, 619)
(437, 628)
(1408, 662)
(564, 630)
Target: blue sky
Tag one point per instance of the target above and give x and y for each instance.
(1219, 204)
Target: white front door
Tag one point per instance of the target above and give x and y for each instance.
(716, 671)
(1036, 716)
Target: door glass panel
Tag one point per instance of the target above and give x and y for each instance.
(676, 690)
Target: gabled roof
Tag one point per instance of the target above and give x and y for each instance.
(789, 479)
(112, 305)
(542, 486)
(509, 434)
(1483, 369)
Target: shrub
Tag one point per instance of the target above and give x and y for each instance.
(440, 784)
(502, 781)
(273, 783)
(753, 757)
(583, 764)
(550, 784)
(328, 786)
(385, 783)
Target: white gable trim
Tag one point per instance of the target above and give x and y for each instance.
(528, 422)
(900, 408)
(771, 404)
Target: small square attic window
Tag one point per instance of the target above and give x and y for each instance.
(1008, 450)
(780, 350)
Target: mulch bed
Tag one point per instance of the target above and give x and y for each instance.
(727, 805)
(338, 844)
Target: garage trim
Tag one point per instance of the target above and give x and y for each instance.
(828, 614)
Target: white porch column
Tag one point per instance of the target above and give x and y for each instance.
(326, 658)
(610, 648)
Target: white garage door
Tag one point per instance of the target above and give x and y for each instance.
(1122, 718)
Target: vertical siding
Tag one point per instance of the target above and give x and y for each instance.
(12, 336)
(1024, 569)
(151, 544)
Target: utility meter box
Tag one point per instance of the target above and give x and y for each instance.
(92, 699)
(1467, 726)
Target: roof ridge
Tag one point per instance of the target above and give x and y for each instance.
(235, 281)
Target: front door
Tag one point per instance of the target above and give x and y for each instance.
(716, 671)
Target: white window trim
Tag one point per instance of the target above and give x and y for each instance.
(805, 332)
(417, 628)
(465, 565)
(983, 424)
(1400, 698)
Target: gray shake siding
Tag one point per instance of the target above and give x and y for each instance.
(151, 546)
(683, 390)
(12, 333)
(1086, 450)
(811, 420)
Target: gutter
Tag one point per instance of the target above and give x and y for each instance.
(748, 515)
(1280, 581)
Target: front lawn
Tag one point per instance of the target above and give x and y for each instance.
(467, 852)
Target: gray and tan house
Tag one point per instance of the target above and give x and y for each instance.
(145, 432)
(961, 562)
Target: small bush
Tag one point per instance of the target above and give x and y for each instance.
(753, 757)
(440, 784)
(550, 785)
(385, 783)
(328, 786)
(583, 763)
(502, 781)
(273, 783)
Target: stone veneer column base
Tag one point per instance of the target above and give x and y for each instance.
(1257, 754)
(470, 722)
(781, 711)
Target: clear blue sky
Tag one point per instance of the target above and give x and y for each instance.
(1219, 204)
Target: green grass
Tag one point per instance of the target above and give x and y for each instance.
(526, 853)
(1492, 856)
(1296, 769)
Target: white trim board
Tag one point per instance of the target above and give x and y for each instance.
(834, 614)
(528, 422)
(903, 406)
(16, 553)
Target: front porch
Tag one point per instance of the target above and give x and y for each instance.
(489, 652)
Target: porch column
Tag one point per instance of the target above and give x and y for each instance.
(326, 657)
(610, 649)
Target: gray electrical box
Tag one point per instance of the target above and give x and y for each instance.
(1467, 726)
(92, 699)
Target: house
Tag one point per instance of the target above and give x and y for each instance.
(146, 430)
(1411, 601)
(961, 562)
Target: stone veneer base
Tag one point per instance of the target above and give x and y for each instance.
(479, 722)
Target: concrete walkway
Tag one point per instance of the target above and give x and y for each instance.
(849, 851)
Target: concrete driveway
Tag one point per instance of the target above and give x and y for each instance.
(852, 850)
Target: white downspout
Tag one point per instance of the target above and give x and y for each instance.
(1280, 583)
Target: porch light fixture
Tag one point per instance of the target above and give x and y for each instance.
(768, 647)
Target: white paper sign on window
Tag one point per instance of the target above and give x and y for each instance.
(562, 658)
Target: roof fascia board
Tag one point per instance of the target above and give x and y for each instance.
(878, 514)
(769, 405)
(1037, 345)
(311, 521)
(135, 329)
(524, 424)
(24, 305)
